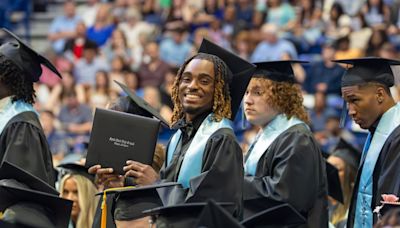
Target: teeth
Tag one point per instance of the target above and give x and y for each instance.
(192, 96)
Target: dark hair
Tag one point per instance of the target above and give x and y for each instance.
(16, 81)
(222, 100)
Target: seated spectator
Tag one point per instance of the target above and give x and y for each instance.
(377, 13)
(166, 87)
(133, 26)
(88, 11)
(273, 45)
(319, 114)
(73, 48)
(63, 27)
(117, 46)
(55, 138)
(67, 84)
(86, 68)
(377, 39)
(344, 50)
(153, 70)
(118, 66)
(176, 49)
(102, 28)
(131, 79)
(324, 76)
(76, 121)
(152, 96)
(280, 13)
(101, 94)
(242, 44)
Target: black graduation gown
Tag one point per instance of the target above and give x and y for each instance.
(292, 170)
(221, 175)
(386, 175)
(24, 144)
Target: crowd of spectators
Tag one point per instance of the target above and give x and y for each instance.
(142, 44)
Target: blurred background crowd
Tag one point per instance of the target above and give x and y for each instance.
(143, 43)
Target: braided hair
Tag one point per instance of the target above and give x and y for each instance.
(14, 79)
(222, 100)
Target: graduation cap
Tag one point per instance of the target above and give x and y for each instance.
(348, 153)
(279, 71)
(363, 70)
(281, 215)
(179, 215)
(142, 108)
(25, 58)
(31, 204)
(334, 186)
(215, 216)
(131, 201)
(73, 168)
(240, 68)
(369, 69)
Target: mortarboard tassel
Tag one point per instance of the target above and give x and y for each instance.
(103, 223)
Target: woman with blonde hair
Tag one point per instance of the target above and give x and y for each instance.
(77, 185)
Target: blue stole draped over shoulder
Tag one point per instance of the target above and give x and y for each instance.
(372, 148)
(10, 109)
(192, 162)
(265, 138)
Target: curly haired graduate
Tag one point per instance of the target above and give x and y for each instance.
(284, 164)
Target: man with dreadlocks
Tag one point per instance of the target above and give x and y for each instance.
(203, 154)
(22, 141)
(284, 163)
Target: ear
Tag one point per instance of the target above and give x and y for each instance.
(380, 94)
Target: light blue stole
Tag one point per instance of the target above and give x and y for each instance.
(372, 148)
(192, 162)
(265, 138)
(11, 109)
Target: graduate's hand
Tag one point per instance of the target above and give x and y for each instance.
(143, 174)
(106, 178)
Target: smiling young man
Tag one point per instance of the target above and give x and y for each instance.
(22, 140)
(365, 89)
(203, 155)
(284, 164)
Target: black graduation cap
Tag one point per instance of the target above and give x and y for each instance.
(215, 216)
(280, 71)
(25, 58)
(363, 70)
(73, 168)
(131, 201)
(27, 200)
(348, 153)
(179, 215)
(369, 69)
(143, 108)
(240, 68)
(281, 215)
(334, 186)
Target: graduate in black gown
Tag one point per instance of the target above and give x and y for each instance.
(365, 89)
(284, 164)
(204, 155)
(22, 141)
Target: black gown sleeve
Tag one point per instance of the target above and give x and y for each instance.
(221, 176)
(25, 145)
(292, 175)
